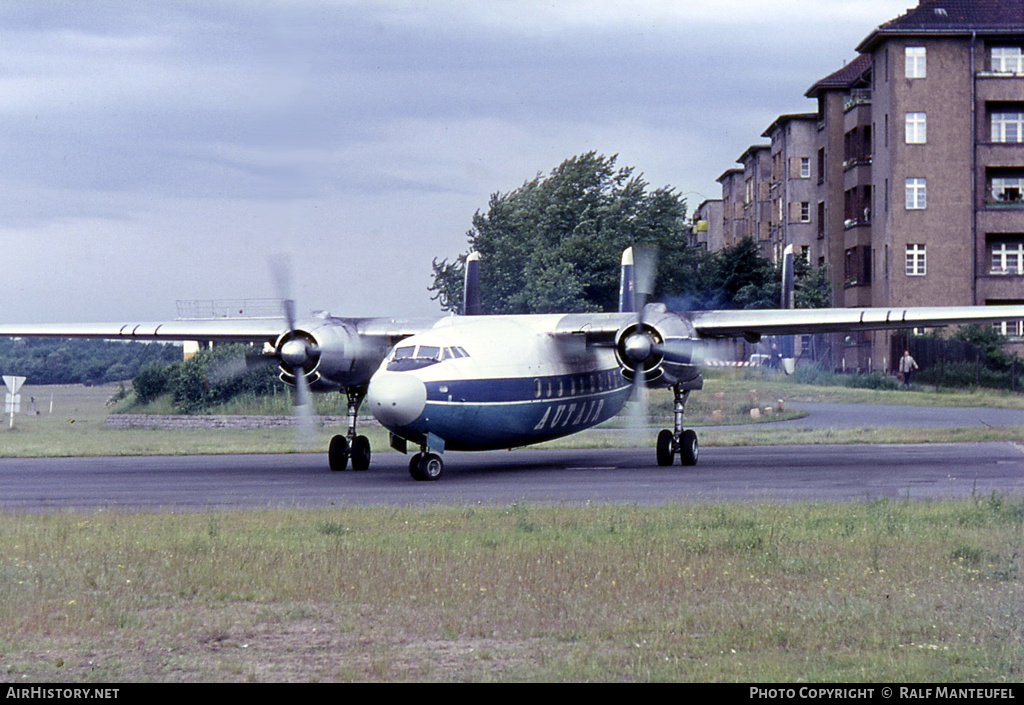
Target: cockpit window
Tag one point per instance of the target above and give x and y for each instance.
(413, 357)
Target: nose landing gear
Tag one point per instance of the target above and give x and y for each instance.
(426, 466)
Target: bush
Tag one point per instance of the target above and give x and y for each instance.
(150, 382)
(209, 378)
(967, 375)
(813, 374)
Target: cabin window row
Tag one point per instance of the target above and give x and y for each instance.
(555, 387)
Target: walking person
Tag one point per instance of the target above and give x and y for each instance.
(907, 367)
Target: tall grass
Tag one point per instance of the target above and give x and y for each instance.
(879, 591)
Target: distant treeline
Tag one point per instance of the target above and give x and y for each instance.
(73, 361)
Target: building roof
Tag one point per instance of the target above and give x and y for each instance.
(845, 77)
(752, 151)
(729, 172)
(951, 17)
(782, 120)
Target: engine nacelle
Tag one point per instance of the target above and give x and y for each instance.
(329, 353)
(661, 347)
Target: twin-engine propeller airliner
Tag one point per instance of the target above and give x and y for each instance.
(483, 382)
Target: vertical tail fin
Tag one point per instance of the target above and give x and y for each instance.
(636, 282)
(471, 305)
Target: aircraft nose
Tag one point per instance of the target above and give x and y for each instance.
(396, 399)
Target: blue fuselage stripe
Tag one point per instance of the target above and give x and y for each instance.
(503, 413)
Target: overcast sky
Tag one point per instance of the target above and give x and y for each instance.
(156, 150)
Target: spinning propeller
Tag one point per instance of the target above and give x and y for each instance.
(641, 344)
(637, 344)
(296, 352)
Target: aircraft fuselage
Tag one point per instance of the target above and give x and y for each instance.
(491, 382)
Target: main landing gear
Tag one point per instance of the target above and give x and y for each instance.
(350, 447)
(679, 440)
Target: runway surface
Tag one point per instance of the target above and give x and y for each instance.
(744, 474)
(752, 474)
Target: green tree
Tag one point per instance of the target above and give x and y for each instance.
(554, 243)
(738, 277)
(989, 341)
(813, 285)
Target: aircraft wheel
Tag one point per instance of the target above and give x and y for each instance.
(426, 467)
(664, 448)
(360, 453)
(688, 449)
(337, 453)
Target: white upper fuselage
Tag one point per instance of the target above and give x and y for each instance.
(487, 382)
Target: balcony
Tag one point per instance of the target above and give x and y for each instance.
(858, 96)
(1004, 198)
(853, 162)
(986, 73)
(1004, 205)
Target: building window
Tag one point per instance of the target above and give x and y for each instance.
(857, 206)
(857, 269)
(1008, 126)
(916, 260)
(1007, 257)
(805, 167)
(857, 147)
(805, 212)
(917, 132)
(1007, 60)
(1011, 329)
(917, 195)
(916, 62)
(1006, 187)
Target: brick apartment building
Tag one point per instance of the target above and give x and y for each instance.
(908, 179)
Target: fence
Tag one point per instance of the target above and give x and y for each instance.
(957, 363)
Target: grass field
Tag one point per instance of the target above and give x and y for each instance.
(853, 592)
(859, 592)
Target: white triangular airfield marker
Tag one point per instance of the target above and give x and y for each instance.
(13, 383)
(12, 402)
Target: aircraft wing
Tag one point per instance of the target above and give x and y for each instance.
(328, 353)
(759, 322)
(220, 330)
(227, 330)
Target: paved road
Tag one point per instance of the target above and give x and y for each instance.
(774, 474)
(824, 415)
